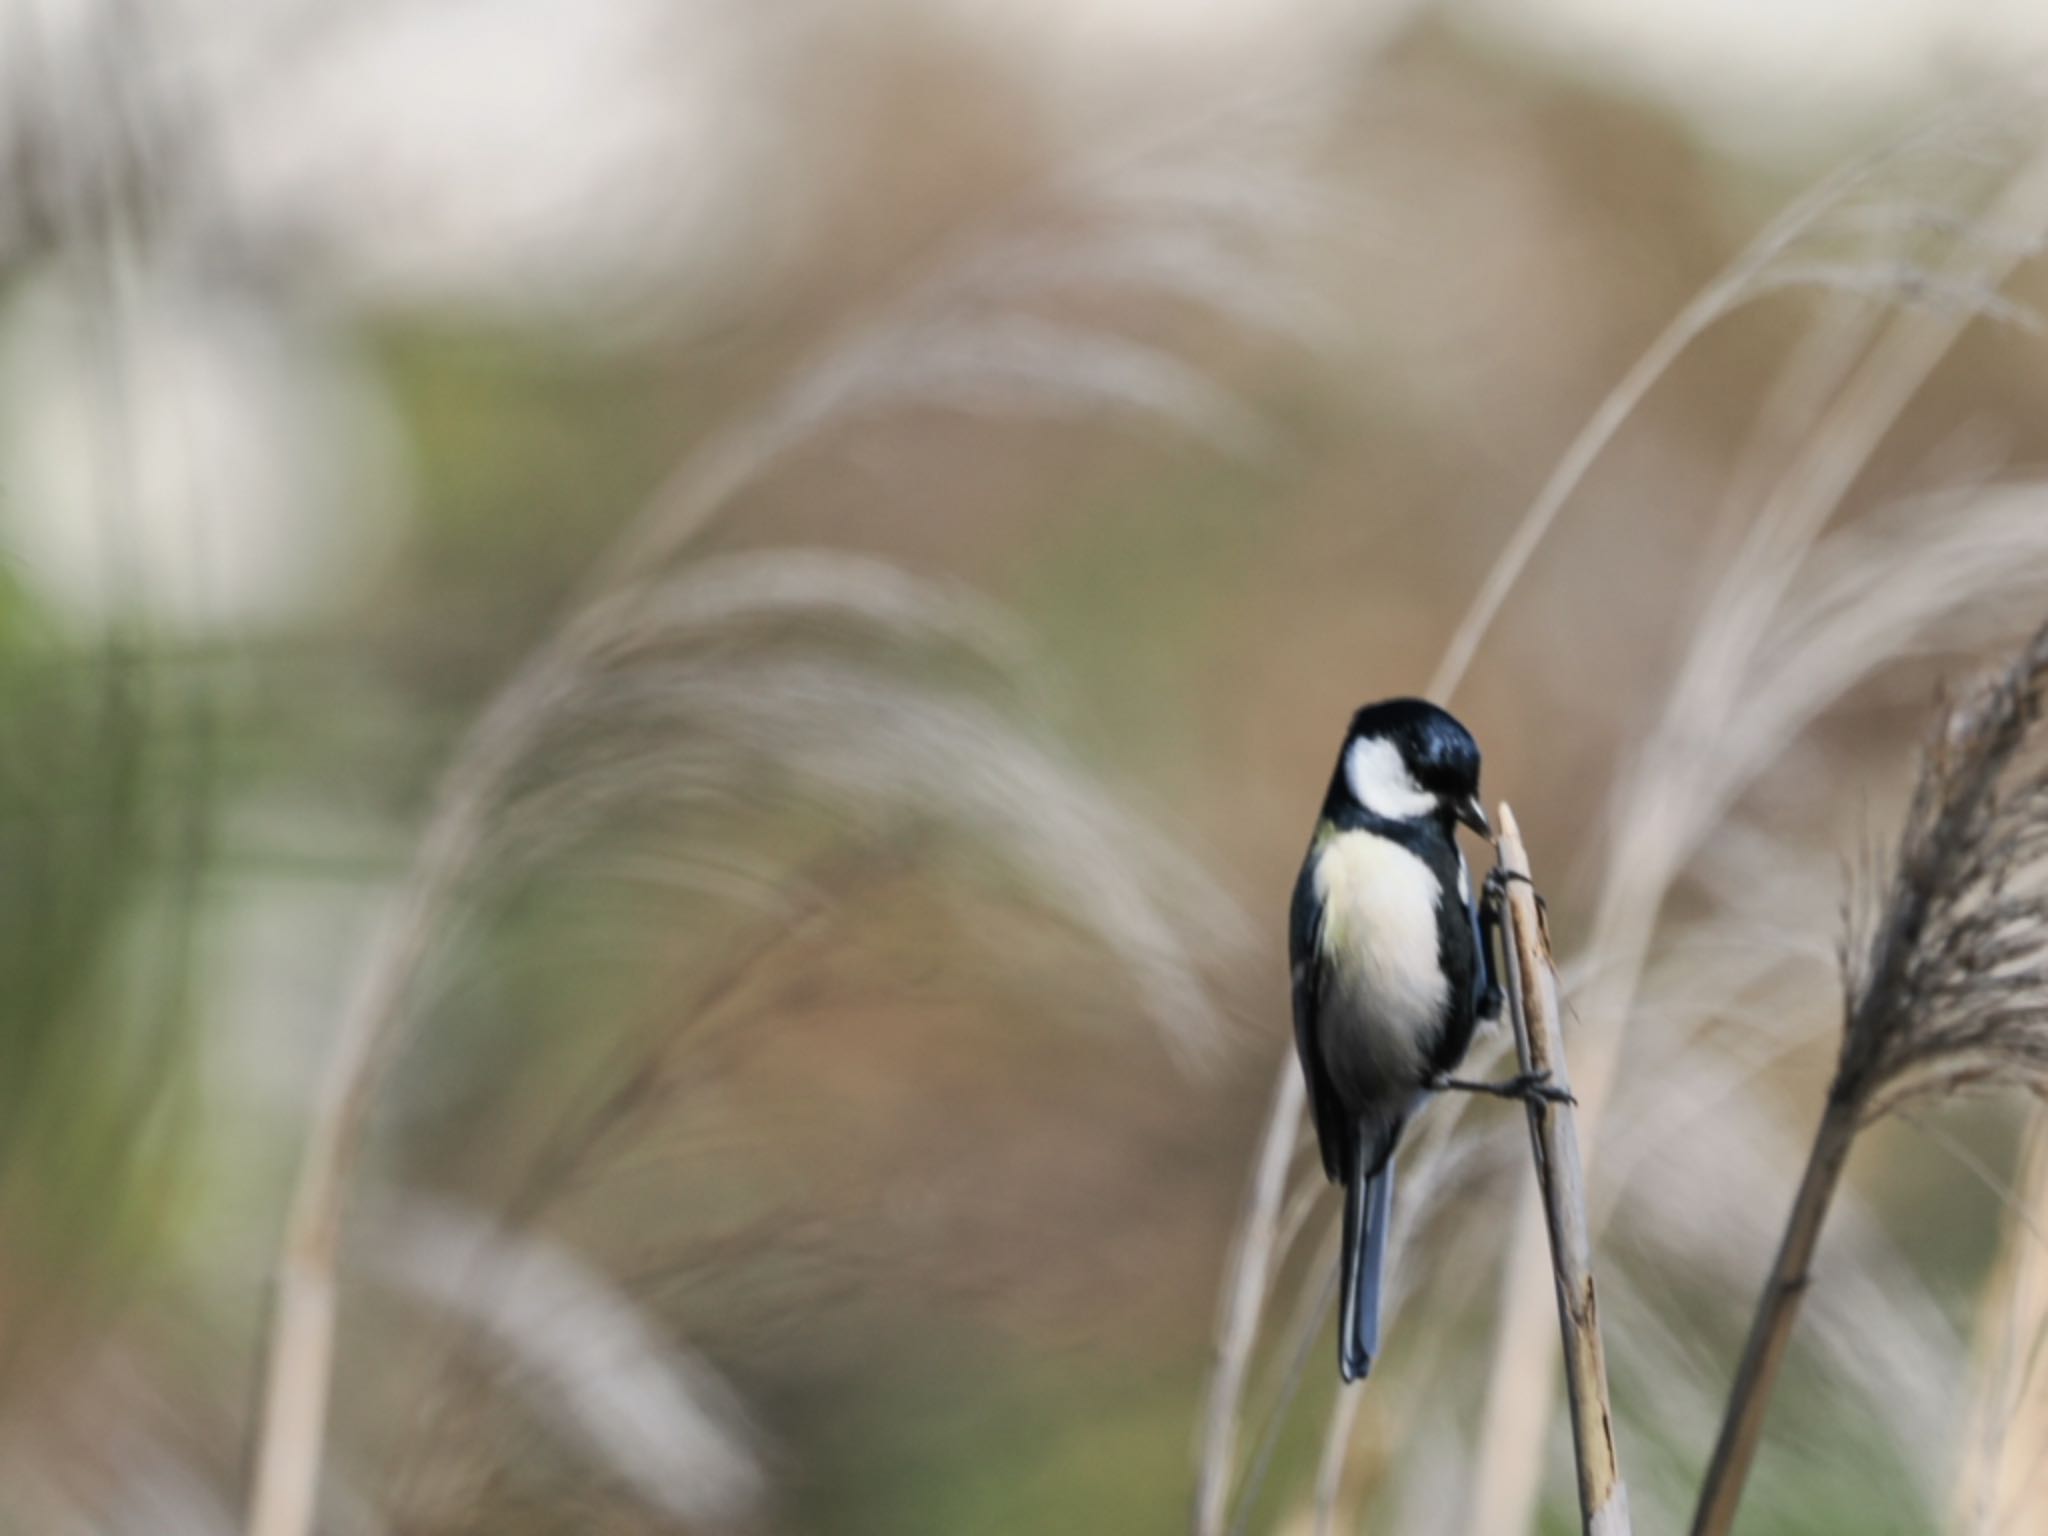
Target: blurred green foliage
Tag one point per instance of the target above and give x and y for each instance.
(106, 794)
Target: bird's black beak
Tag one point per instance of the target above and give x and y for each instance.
(1473, 815)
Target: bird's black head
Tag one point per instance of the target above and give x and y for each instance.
(1407, 760)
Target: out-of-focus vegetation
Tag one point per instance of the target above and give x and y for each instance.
(971, 468)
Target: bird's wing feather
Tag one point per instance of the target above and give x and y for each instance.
(1482, 959)
(1334, 1131)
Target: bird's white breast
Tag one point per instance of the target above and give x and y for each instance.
(1380, 943)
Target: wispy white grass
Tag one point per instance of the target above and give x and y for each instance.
(973, 333)
(1859, 200)
(590, 1361)
(720, 597)
(862, 742)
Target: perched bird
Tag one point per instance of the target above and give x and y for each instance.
(1393, 971)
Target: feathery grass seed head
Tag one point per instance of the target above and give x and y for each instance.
(1947, 986)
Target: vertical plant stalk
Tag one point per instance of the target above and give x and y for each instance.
(291, 1420)
(1330, 1465)
(291, 1427)
(1747, 277)
(1553, 1135)
(1244, 1300)
(2002, 1465)
(1771, 1331)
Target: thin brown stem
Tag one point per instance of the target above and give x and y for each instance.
(1251, 1276)
(1771, 1331)
(2009, 1418)
(1330, 1465)
(1553, 1134)
(299, 1352)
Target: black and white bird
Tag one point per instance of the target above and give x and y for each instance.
(1393, 971)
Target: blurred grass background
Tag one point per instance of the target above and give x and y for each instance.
(337, 344)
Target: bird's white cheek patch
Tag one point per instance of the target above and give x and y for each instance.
(1380, 781)
(1380, 939)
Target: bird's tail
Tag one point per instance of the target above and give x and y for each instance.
(1368, 1214)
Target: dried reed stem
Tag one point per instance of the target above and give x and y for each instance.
(299, 1352)
(1330, 1465)
(300, 1356)
(1606, 422)
(1759, 269)
(1507, 1463)
(1771, 1331)
(1244, 1302)
(1553, 1135)
(1729, 290)
(1997, 1493)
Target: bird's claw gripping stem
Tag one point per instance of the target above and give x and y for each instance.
(1493, 906)
(1529, 1087)
(1497, 882)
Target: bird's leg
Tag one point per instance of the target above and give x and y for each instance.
(1526, 1086)
(1529, 1087)
(1492, 902)
(1498, 880)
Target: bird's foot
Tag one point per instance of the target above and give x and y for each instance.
(1529, 1087)
(1496, 890)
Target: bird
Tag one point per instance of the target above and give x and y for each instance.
(1391, 960)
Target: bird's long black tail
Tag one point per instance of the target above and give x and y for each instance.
(1368, 1213)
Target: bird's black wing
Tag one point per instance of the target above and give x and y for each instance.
(1334, 1129)
(1461, 945)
